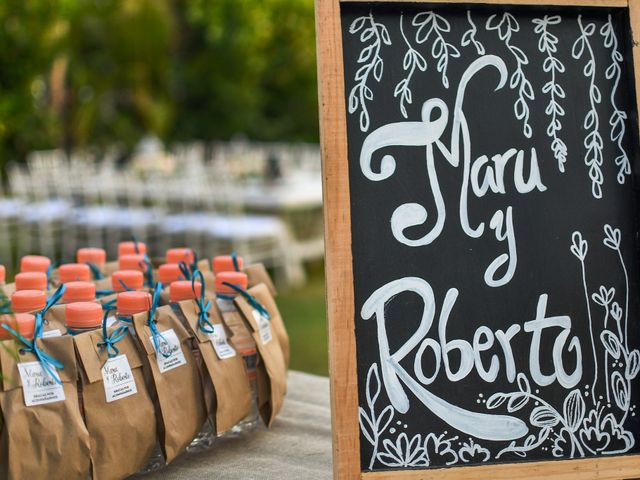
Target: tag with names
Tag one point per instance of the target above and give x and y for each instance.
(118, 379)
(264, 327)
(170, 355)
(220, 344)
(52, 333)
(38, 386)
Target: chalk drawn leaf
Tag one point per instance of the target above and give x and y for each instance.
(611, 343)
(373, 385)
(574, 409)
(620, 389)
(366, 426)
(633, 365)
(357, 24)
(543, 416)
(384, 419)
(496, 400)
(616, 311)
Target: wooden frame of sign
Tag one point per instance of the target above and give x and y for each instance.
(340, 277)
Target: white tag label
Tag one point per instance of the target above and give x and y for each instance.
(51, 333)
(111, 321)
(170, 346)
(220, 344)
(118, 379)
(38, 386)
(264, 327)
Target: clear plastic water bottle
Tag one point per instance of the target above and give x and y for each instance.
(242, 339)
(129, 304)
(179, 291)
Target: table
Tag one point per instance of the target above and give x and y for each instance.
(298, 446)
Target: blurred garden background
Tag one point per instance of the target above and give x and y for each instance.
(180, 122)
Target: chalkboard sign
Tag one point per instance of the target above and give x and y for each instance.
(481, 170)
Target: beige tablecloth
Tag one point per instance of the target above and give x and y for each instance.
(298, 446)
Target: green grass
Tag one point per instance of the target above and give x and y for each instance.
(304, 313)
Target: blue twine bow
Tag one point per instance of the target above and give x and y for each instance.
(234, 259)
(49, 363)
(95, 271)
(156, 336)
(204, 324)
(109, 341)
(249, 298)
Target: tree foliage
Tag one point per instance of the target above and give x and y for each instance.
(104, 72)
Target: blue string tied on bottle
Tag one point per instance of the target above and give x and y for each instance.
(104, 293)
(234, 259)
(249, 298)
(156, 336)
(5, 303)
(204, 324)
(148, 270)
(95, 271)
(49, 363)
(185, 269)
(136, 248)
(50, 269)
(109, 341)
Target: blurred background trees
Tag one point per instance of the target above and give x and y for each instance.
(75, 73)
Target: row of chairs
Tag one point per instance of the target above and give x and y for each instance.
(190, 196)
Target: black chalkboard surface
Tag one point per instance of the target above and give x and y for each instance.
(493, 162)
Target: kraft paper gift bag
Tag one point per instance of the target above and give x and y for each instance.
(222, 365)
(44, 430)
(54, 322)
(175, 377)
(262, 294)
(119, 410)
(256, 274)
(271, 368)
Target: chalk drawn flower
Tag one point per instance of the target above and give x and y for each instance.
(612, 237)
(621, 440)
(403, 452)
(438, 446)
(591, 433)
(604, 296)
(579, 246)
(471, 452)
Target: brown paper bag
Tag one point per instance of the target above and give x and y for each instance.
(223, 367)
(111, 267)
(54, 322)
(271, 370)
(263, 295)
(180, 404)
(256, 274)
(119, 414)
(48, 439)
